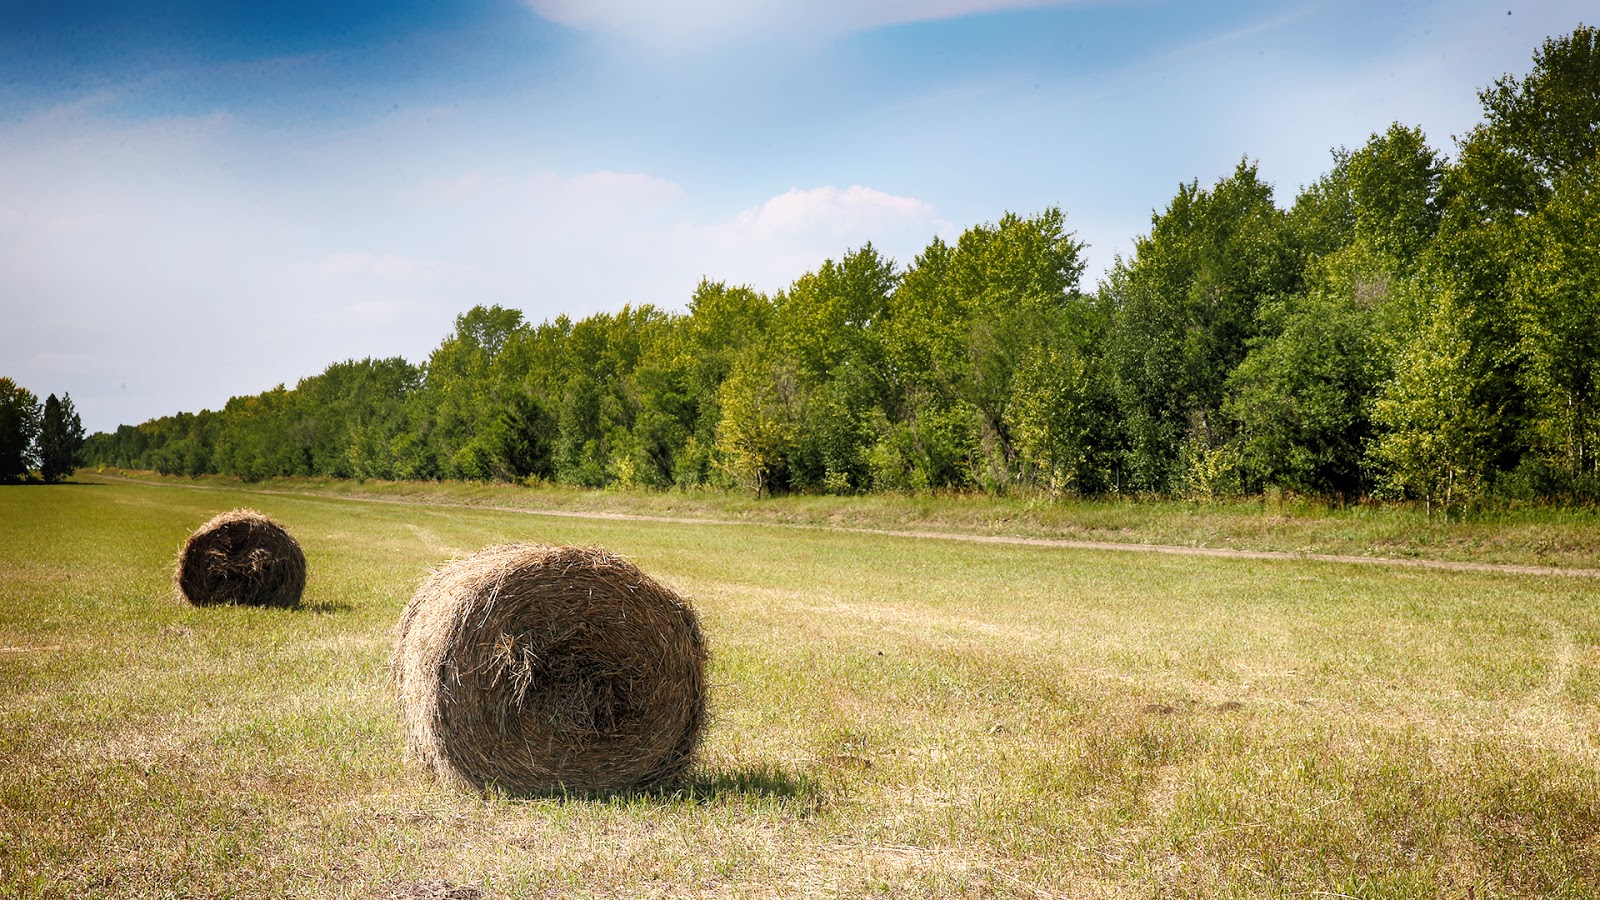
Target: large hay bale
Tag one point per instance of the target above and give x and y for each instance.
(539, 669)
(242, 557)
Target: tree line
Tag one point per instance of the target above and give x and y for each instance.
(44, 439)
(1409, 326)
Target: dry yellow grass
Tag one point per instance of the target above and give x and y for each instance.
(889, 717)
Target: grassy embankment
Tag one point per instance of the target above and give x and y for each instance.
(892, 716)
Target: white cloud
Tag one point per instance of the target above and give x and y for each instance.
(771, 244)
(827, 210)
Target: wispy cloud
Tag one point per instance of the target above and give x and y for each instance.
(1210, 44)
(710, 21)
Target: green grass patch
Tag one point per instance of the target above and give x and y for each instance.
(891, 716)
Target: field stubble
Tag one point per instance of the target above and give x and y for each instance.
(891, 717)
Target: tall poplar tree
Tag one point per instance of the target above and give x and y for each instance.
(60, 439)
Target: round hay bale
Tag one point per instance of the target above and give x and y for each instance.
(241, 557)
(540, 669)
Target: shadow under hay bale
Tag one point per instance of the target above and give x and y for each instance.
(241, 557)
(537, 669)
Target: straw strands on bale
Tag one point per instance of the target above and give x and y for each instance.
(538, 669)
(243, 557)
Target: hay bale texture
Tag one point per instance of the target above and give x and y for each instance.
(540, 669)
(241, 557)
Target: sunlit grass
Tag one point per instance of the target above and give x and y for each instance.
(890, 716)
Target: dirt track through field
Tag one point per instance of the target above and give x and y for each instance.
(1057, 543)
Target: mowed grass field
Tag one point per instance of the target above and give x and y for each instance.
(891, 717)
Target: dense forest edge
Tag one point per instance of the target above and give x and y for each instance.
(1411, 327)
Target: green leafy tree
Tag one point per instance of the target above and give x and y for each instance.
(351, 409)
(1299, 399)
(926, 434)
(1018, 280)
(1555, 288)
(722, 321)
(19, 430)
(829, 327)
(261, 436)
(1436, 442)
(60, 439)
(600, 397)
(1384, 195)
(1185, 311)
(962, 323)
(1394, 191)
(663, 449)
(1322, 220)
(1538, 130)
(1063, 418)
(652, 412)
(760, 415)
(465, 388)
(1548, 122)
(828, 315)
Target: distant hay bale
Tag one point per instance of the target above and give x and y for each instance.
(539, 669)
(241, 557)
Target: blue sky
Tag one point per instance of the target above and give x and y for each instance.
(199, 200)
